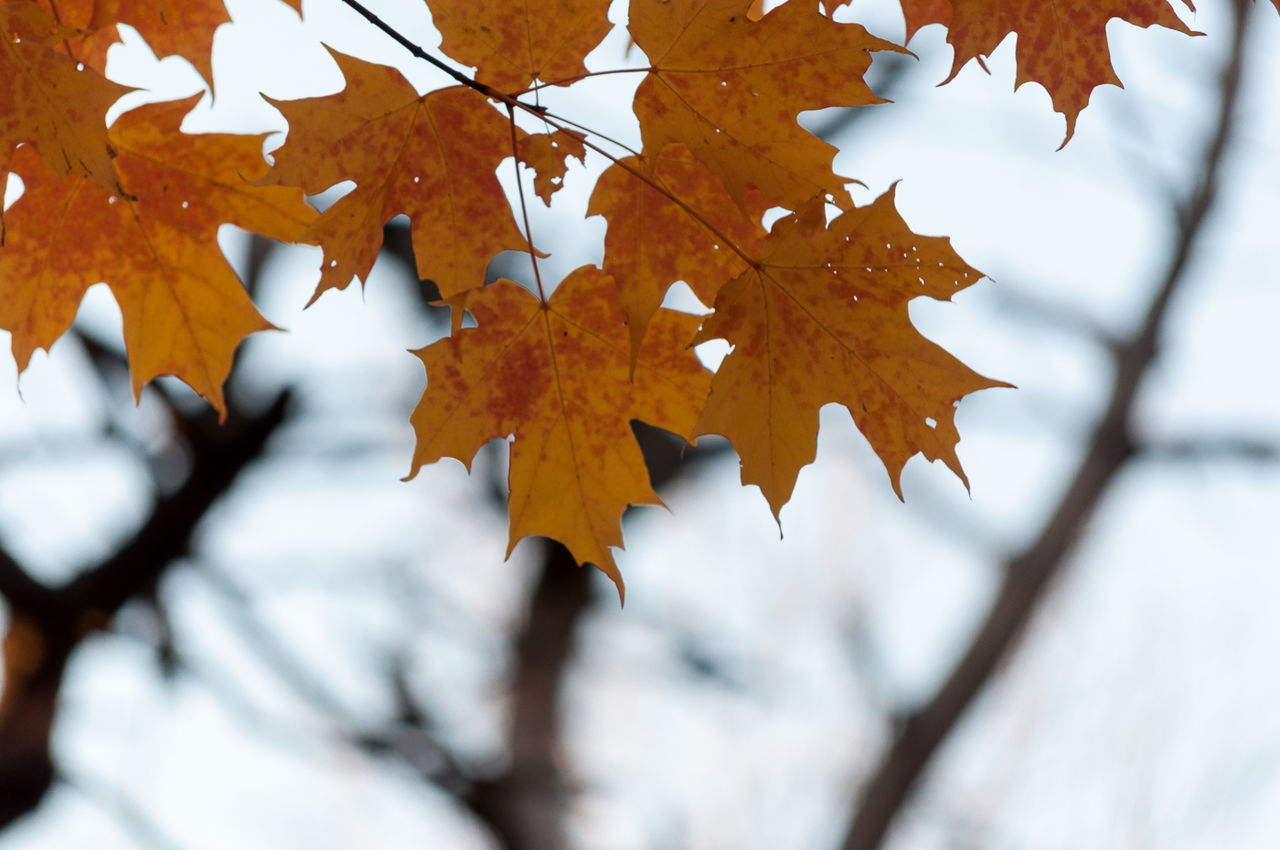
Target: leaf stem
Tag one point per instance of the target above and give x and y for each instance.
(578, 77)
(524, 207)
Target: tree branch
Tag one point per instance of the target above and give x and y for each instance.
(47, 625)
(525, 806)
(1028, 574)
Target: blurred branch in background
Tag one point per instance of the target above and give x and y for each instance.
(1112, 446)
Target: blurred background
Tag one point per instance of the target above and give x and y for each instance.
(258, 636)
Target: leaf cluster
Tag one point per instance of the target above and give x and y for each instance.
(814, 306)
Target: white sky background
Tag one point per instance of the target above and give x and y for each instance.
(1140, 712)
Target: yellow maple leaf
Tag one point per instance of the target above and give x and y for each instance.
(556, 377)
(1061, 45)
(431, 157)
(652, 241)
(510, 45)
(823, 318)
(48, 101)
(730, 88)
(155, 246)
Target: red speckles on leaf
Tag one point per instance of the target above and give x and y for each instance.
(1061, 45)
(557, 377)
(155, 245)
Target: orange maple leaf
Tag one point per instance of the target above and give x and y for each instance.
(823, 318)
(556, 375)
(170, 28)
(548, 155)
(510, 45)
(431, 157)
(652, 241)
(919, 13)
(156, 247)
(47, 101)
(1061, 45)
(730, 89)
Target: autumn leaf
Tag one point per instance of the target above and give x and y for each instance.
(155, 246)
(170, 28)
(430, 157)
(556, 376)
(48, 102)
(919, 13)
(652, 241)
(1061, 45)
(510, 45)
(823, 318)
(730, 89)
(548, 155)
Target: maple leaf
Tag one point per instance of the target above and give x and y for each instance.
(919, 13)
(652, 241)
(48, 102)
(431, 157)
(1061, 45)
(823, 318)
(548, 155)
(170, 28)
(155, 246)
(730, 89)
(510, 45)
(557, 376)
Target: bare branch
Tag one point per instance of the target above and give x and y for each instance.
(1028, 574)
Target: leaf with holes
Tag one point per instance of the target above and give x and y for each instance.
(548, 155)
(823, 318)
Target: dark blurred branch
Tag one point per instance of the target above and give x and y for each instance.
(20, 590)
(1028, 574)
(525, 806)
(47, 625)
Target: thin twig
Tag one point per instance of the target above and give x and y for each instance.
(524, 207)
